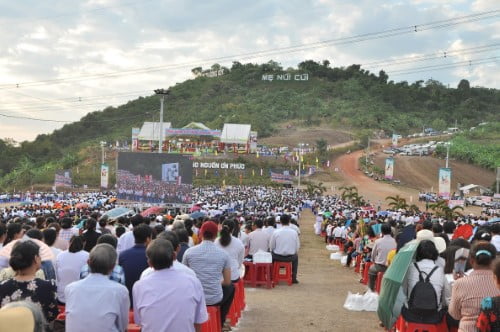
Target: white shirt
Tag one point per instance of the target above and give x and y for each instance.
(126, 241)
(495, 240)
(178, 266)
(96, 304)
(68, 267)
(236, 252)
(258, 239)
(285, 241)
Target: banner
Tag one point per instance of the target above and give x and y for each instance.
(394, 139)
(104, 175)
(389, 168)
(444, 182)
(281, 177)
(63, 178)
(135, 138)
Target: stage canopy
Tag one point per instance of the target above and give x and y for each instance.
(235, 133)
(150, 131)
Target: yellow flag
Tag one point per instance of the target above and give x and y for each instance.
(253, 172)
(257, 156)
(215, 152)
(205, 172)
(317, 160)
(301, 158)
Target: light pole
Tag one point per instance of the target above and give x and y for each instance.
(447, 153)
(103, 144)
(163, 93)
(300, 161)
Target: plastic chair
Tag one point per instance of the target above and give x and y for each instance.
(366, 277)
(378, 283)
(419, 327)
(213, 323)
(249, 274)
(278, 276)
(263, 274)
(235, 310)
(241, 291)
(133, 328)
(131, 317)
(61, 316)
(359, 259)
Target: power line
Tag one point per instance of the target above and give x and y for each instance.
(289, 49)
(62, 121)
(471, 63)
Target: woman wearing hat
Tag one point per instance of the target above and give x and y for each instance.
(25, 261)
(469, 291)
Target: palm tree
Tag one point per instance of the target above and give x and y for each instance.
(347, 192)
(397, 202)
(357, 199)
(414, 209)
(441, 209)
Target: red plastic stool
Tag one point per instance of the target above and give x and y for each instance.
(357, 267)
(61, 316)
(278, 276)
(241, 291)
(213, 323)
(378, 283)
(131, 317)
(366, 277)
(419, 327)
(248, 279)
(133, 328)
(234, 311)
(263, 274)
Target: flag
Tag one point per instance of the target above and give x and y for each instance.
(205, 172)
(301, 158)
(215, 152)
(261, 172)
(196, 172)
(253, 172)
(257, 156)
(328, 163)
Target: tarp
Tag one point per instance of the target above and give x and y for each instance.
(118, 212)
(235, 133)
(150, 131)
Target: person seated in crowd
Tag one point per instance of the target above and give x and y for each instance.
(176, 265)
(258, 239)
(90, 235)
(65, 234)
(134, 260)
(117, 274)
(96, 303)
(211, 264)
(380, 250)
(469, 291)
(183, 236)
(233, 246)
(25, 260)
(285, 244)
(49, 237)
(426, 267)
(127, 241)
(168, 299)
(69, 263)
(489, 315)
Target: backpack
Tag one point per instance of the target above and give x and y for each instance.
(423, 296)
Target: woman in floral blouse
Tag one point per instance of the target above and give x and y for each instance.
(25, 261)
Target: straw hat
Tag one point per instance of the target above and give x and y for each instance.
(19, 319)
(426, 234)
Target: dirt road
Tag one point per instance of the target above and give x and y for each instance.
(316, 303)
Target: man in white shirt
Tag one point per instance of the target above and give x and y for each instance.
(127, 240)
(97, 303)
(285, 246)
(258, 239)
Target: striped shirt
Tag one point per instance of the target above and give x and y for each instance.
(208, 262)
(466, 296)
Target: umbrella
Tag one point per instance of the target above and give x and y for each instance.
(45, 252)
(82, 205)
(197, 214)
(496, 219)
(117, 212)
(152, 210)
(327, 214)
(195, 208)
(391, 298)
(382, 213)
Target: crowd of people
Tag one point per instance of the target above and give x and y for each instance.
(455, 258)
(97, 270)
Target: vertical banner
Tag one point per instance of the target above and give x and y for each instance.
(394, 139)
(444, 182)
(389, 168)
(135, 138)
(104, 175)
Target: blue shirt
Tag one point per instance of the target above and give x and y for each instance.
(169, 300)
(133, 261)
(96, 304)
(208, 262)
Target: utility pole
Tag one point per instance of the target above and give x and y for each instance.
(163, 93)
(102, 151)
(300, 156)
(447, 153)
(498, 179)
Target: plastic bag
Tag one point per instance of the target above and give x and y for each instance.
(332, 247)
(343, 260)
(262, 257)
(335, 256)
(361, 302)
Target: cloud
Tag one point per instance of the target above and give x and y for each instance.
(74, 40)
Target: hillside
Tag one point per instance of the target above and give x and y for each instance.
(348, 98)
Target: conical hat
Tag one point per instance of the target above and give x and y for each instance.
(45, 252)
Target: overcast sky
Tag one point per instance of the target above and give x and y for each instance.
(61, 59)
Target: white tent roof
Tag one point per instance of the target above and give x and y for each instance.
(150, 131)
(235, 133)
(468, 187)
(197, 125)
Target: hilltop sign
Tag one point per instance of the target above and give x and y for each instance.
(285, 77)
(219, 165)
